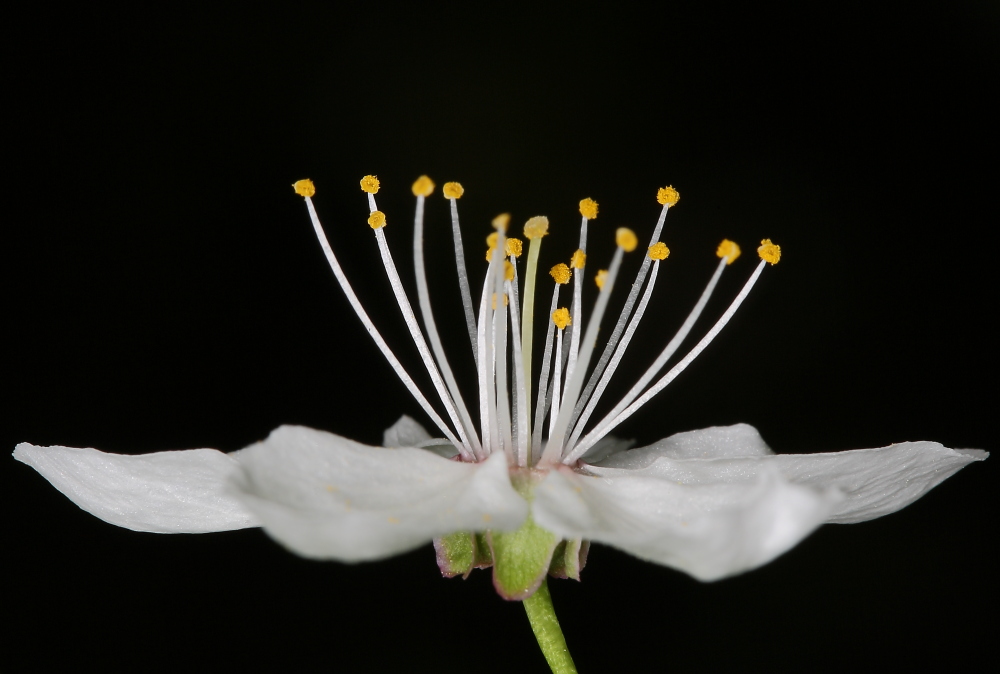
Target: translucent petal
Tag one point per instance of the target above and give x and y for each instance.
(606, 447)
(716, 442)
(327, 497)
(875, 482)
(406, 432)
(165, 492)
(708, 531)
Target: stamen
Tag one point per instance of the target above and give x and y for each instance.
(769, 252)
(657, 252)
(588, 211)
(560, 317)
(306, 189)
(519, 402)
(666, 197)
(727, 251)
(513, 247)
(500, 357)
(542, 404)
(418, 337)
(604, 428)
(520, 399)
(626, 239)
(553, 449)
(370, 185)
(452, 192)
(485, 365)
(422, 188)
(534, 229)
(560, 273)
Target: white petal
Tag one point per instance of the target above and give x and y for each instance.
(607, 446)
(708, 531)
(875, 482)
(406, 432)
(716, 442)
(328, 497)
(165, 492)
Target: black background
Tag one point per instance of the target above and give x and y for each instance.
(164, 290)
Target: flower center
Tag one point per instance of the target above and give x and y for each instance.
(501, 333)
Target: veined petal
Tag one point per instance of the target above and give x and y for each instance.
(164, 492)
(327, 497)
(708, 531)
(875, 482)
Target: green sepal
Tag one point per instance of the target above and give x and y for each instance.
(569, 559)
(461, 552)
(521, 559)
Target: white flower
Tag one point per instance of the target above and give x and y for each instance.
(712, 502)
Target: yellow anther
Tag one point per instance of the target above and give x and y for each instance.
(668, 196)
(491, 240)
(501, 221)
(513, 246)
(769, 252)
(560, 273)
(536, 227)
(304, 188)
(376, 219)
(453, 190)
(561, 318)
(506, 300)
(658, 251)
(489, 253)
(729, 250)
(369, 184)
(423, 187)
(578, 260)
(601, 278)
(626, 239)
(588, 209)
(508, 271)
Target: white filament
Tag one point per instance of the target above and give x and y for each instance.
(555, 445)
(613, 365)
(397, 367)
(622, 317)
(463, 278)
(543, 380)
(607, 425)
(424, 302)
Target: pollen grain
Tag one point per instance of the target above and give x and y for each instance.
(304, 187)
(769, 252)
(423, 187)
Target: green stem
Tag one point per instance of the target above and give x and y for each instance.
(545, 625)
